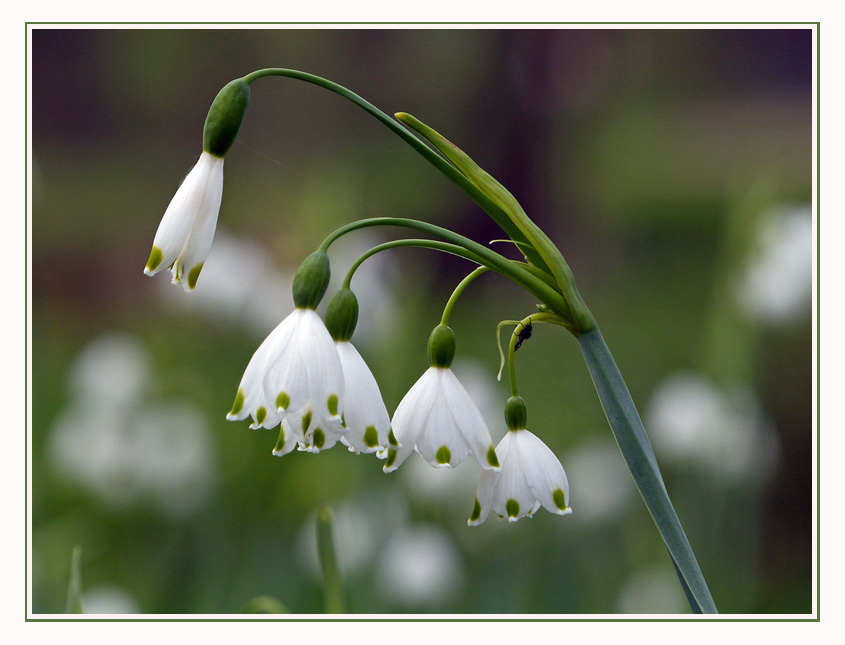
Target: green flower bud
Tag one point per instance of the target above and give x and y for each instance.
(441, 346)
(311, 280)
(342, 315)
(225, 117)
(516, 413)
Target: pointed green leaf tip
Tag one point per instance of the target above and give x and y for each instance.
(155, 259)
(225, 117)
(239, 402)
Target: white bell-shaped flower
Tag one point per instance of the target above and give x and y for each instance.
(295, 378)
(531, 476)
(364, 412)
(186, 231)
(438, 419)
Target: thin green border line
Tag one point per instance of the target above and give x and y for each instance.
(817, 618)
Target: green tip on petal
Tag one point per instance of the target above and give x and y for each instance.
(155, 259)
(282, 401)
(319, 438)
(260, 415)
(371, 436)
(332, 404)
(193, 275)
(476, 511)
(391, 458)
(238, 405)
(559, 500)
(444, 455)
(492, 459)
(391, 438)
(512, 508)
(306, 421)
(280, 443)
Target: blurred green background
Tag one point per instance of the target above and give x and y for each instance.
(673, 169)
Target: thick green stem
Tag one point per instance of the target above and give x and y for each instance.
(635, 447)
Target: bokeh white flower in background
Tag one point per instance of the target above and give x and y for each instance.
(121, 445)
(652, 591)
(374, 285)
(605, 487)
(724, 432)
(420, 568)
(240, 284)
(359, 528)
(109, 599)
(776, 286)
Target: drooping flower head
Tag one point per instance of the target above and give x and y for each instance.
(437, 418)
(295, 377)
(186, 231)
(365, 415)
(531, 475)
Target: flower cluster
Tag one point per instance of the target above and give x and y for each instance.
(309, 380)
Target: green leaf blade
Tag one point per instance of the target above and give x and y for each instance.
(636, 449)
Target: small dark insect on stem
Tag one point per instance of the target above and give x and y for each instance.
(524, 335)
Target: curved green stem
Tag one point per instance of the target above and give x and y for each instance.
(539, 317)
(453, 299)
(453, 249)
(514, 270)
(434, 158)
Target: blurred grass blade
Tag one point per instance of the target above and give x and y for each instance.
(636, 449)
(265, 605)
(74, 588)
(328, 562)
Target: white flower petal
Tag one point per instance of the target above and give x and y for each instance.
(198, 244)
(468, 419)
(545, 474)
(295, 379)
(410, 416)
(530, 476)
(251, 391)
(364, 411)
(441, 443)
(184, 235)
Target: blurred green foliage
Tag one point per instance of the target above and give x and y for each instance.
(649, 157)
